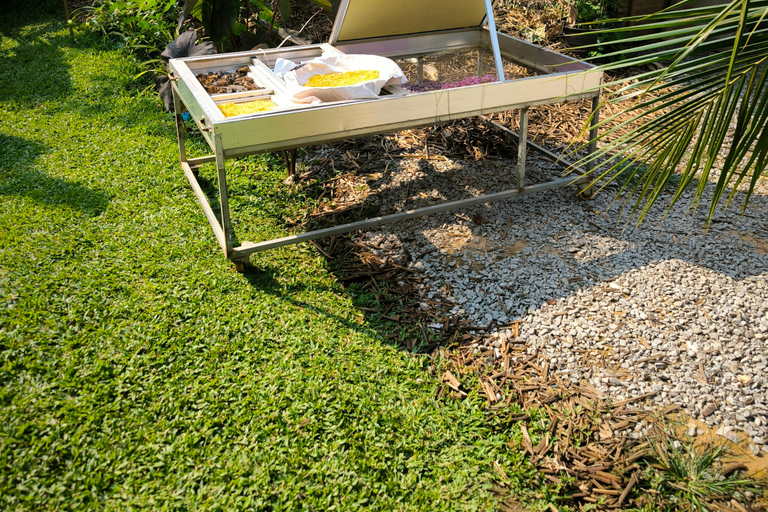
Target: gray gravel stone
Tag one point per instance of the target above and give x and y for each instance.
(672, 307)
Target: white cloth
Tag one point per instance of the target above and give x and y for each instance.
(389, 74)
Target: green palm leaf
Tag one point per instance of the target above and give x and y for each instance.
(702, 116)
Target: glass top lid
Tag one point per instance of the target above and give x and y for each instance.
(364, 19)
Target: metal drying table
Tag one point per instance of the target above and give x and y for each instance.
(431, 30)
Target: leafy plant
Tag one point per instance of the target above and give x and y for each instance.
(589, 11)
(219, 18)
(183, 46)
(146, 26)
(222, 21)
(593, 16)
(681, 114)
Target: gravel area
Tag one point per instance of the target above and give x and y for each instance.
(670, 310)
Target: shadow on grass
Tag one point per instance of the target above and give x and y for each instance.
(266, 280)
(18, 177)
(266, 276)
(33, 68)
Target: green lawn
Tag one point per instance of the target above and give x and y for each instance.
(138, 370)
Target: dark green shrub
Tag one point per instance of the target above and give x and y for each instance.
(589, 11)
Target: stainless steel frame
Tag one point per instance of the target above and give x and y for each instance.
(561, 78)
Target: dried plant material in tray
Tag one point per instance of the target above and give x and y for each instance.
(449, 69)
(432, 85)
(228, 81)
(341, 79)
(247, 107)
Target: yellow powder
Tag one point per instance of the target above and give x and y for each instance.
(341, 79)
(249, 107)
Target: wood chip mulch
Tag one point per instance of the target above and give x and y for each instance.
(588, 437)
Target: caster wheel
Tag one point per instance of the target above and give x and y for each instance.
(241, 266)
(586, 193)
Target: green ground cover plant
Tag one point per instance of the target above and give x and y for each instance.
(138, 370)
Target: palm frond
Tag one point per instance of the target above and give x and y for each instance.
(702, 115)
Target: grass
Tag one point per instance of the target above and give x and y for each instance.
(690, 477)
(138, 370)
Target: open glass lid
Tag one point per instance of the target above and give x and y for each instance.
(364, 19)
(370, 19)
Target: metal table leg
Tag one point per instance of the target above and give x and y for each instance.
(522, 148)
(586, 190)
(240, 255)
(180, 130)
(249, 247)
(221, 172)
(290, 161)
(593, 130)
(189, 166)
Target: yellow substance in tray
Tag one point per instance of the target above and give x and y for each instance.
(341, 79)
(249, 107)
